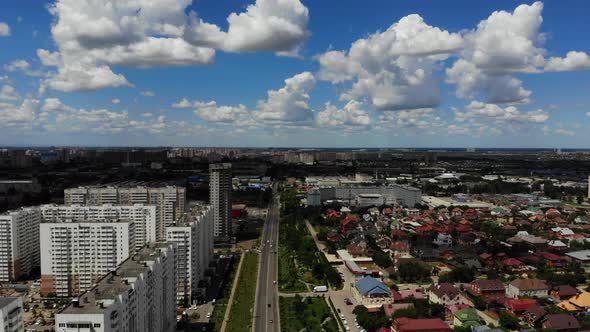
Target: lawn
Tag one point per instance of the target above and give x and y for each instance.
(221, 303)
(311, 314)
(289, 280)
(242, 310)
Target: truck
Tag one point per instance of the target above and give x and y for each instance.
(320, 289)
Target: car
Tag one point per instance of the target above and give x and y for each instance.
(347, 301)
(271, 321)
(342, 316)
(269, 305)
(208, 315)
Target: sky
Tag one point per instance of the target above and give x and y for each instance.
(291, 73)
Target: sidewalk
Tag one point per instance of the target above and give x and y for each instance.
(231, 296)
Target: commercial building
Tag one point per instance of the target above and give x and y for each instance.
(193, 236)
(170, 200)
(74, 255)
(146, 218)
(220, 187)
(11, 314)
(139, 295)
(364, 195)
(19, 243)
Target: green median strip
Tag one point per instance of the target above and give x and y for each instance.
(242, 310)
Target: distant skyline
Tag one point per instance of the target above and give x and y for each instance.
(290, 73)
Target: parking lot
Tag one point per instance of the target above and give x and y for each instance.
(338, 298)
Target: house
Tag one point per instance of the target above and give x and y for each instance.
(450, 310)
(578, 303)
(371, 292)
(445, 294)
(527, 287)
(488, 290)
(518, 306)
(534, 314)
(419, 325)
(514, 265)
(416, 293)
(563, 292)
(552, 260)
(443, 240)
(467, 317)
(561, 323)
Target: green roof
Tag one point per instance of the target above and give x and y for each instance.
(467, 315)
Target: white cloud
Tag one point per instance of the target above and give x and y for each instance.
(81, 77)
(573, 61)
(24, 67)
(147, 93)
(149, 33)
(420, 118)
(564, 132)
(147, 115)
(588, 114)
(13, 115)
(184, 103)
(393, 69)
(351, 115)
(458, 130)
(290, 104)
(271, 25)
(116, 101)
(211, 112)
(8, 93)
(499, 114)
(4, 29)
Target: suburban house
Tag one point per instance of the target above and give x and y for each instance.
(371, 292)
(467, 317)
(577, 303)
(561, 323)
(519, 306)
(527, 287)
(445, 294)
(563, 292)
(488, 290)
(419, 325)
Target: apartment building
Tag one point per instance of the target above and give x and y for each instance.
(19, 243)
(139, 295)
(220, 188)
(146, 218)
(193, 236)
(170, 200)
(74, 255)
(11, 314)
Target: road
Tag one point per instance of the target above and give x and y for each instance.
(266, 317)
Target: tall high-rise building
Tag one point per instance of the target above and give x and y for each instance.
(170, 200)
(19, 240)
(139, 295)
(220, 187)
(74, 255)
(11, 314)
(193, 236)
(588, 187)
(146, 218)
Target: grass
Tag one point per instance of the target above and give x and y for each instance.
(242, 311)
(289, 281)
(310, 314)
(221, 303)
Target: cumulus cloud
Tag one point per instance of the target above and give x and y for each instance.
(17, 115)
(4, 29)
(393, 69)
(211, 112)
(573, 61)
(147, 93)
(564, 132)
(8, 93)
(183, 103)
(289, 104)
(116, 101)
(148, 33)
(499, 114)
(420, 118)
(351, 115)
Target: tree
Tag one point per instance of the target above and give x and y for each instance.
(412, 272)
(508, 321)
(308, 277)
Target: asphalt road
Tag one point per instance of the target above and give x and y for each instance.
(266, 317)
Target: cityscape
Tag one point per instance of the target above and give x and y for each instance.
(294, 166)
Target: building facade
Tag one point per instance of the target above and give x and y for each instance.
(146, 218)
(11, 314)
(139, 295)
(220, 188)
(19, 240)
(170, 200)
(193, 236)
(389, 195)
(74, 255)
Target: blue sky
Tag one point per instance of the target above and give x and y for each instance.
(295, 73)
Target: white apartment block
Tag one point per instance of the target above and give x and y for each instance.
(170, 200)
(74, 255)
(11, 314)
(220, 188)
(146, 218)
(19, 243)
(193, 236)
(138, 296)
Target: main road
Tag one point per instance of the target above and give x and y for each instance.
(266, 316)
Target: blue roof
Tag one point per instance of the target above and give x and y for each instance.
(371, 286)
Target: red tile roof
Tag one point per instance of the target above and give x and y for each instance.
(430, 324)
